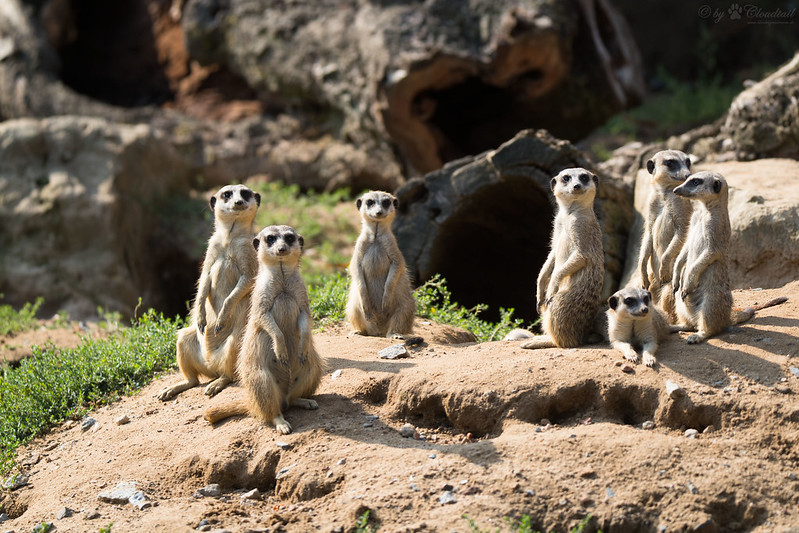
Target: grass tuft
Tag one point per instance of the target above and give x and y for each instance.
(13, 321)
(57, 383)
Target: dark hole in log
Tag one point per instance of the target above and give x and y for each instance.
(474, 116)
(108, 51)
(491, 250)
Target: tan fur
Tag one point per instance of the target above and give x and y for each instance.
(667, 218)
(210, 345)
(279, 365)
(380, 301)
(570, 282)
(635, 322)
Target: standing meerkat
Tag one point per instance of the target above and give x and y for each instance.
(667, 218)
(570, 282)
(701, 280)
(635, 322)
(278, 365)
(380, 301)
(210, 345)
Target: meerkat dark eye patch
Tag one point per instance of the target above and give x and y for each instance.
(646, 299)
(566, 178)
(696, 182)
(246, 194)
(270, 240)
(370, 202)
(386, 203)
(673, 165)
(629, 302)
(227, 194)
(289, 238)
(585, 178)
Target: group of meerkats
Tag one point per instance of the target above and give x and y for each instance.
(682, 283)
(251, 317)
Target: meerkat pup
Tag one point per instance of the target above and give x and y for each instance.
(634, 322)
(380, 301)
(570, 282)
(210, 345)
(667, 218)
(701, 280)
(279, 365)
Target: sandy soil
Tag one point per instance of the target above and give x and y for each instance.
(502, 432)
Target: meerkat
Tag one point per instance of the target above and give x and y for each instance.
(635, 322)
(380, 301)
(667, 218)
(570, 282)
(700, 277)
(278, 365)
(210, 345)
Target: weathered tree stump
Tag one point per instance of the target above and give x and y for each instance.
(484, 222)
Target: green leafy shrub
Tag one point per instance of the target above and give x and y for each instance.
(13, 321)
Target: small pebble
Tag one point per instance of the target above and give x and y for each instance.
(121, 420)
(627, 368)
(87, 423)
(64, 512)
(783, 389)
(432, 456)
(283, 445)
(212, 491)
(407, 430)
(648, 425)
(139, 500)
(91, 514)
(342, 461)
(336, 374)
(709, 429)
(674, 390)
(4, 518)
(609, 492)
(794, 370)
(395, 351)
(283, 472)
(253, 494)
(692, 489)
(447, 498)
(691, 433)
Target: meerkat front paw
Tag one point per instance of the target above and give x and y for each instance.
(305, 403)
(281, 425)
(696, 338)
(216, 386)
(649, 359)
(631, 355)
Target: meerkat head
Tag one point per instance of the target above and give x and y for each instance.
(233, 202)
(706, 187)
(669, 167)
(377, 206)
(278, 244)
(631, 301)
(574, 185)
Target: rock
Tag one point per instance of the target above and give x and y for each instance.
(212, 491)
(85, 192)
(283, 472)
(342, 461)
(609, 493)
(87, 423)
(283, 445)
(91, 514)
(447, 498)
(336, 374)
(407, 430)
(499, 195)
(253, 494)
(120, 494)
(395, 351)
(674, 390)
(64, 512)
(15, 481)
(691, 433)
(4, 518)
(139, 500)
(121, 420)
(517, 335)
(627, 368)
(648, 425)
(709, 429)
(783, 389)
(794, 370)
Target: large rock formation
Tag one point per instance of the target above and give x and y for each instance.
(484, 222)
(94, 214)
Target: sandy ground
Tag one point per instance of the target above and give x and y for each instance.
(501, 432)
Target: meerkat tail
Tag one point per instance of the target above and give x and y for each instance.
(218, 413)
(738, 316)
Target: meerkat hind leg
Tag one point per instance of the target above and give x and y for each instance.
(189, 355)
(539, 341)
(281, 424)
(305, 403)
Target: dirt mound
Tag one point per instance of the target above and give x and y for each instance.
(500, 431)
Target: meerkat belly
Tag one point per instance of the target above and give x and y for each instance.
(224, 277)
(286, 312)
(376, 264)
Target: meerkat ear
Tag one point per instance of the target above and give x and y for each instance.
(301, 241)
(213, 202)
(257, 199)
(613, 302)
(650, 166)
(256, 243)
(716, 186)
(358, 203)
(596, 180)
(688, 163)
(396, 203)
(552, 183)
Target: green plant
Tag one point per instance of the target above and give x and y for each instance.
(106, 529)
(12, 321)
(524, 525)
(57, 383)
(362, 524)
(61, 320)
(434, 301)
(328, 297)
(44, 527)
